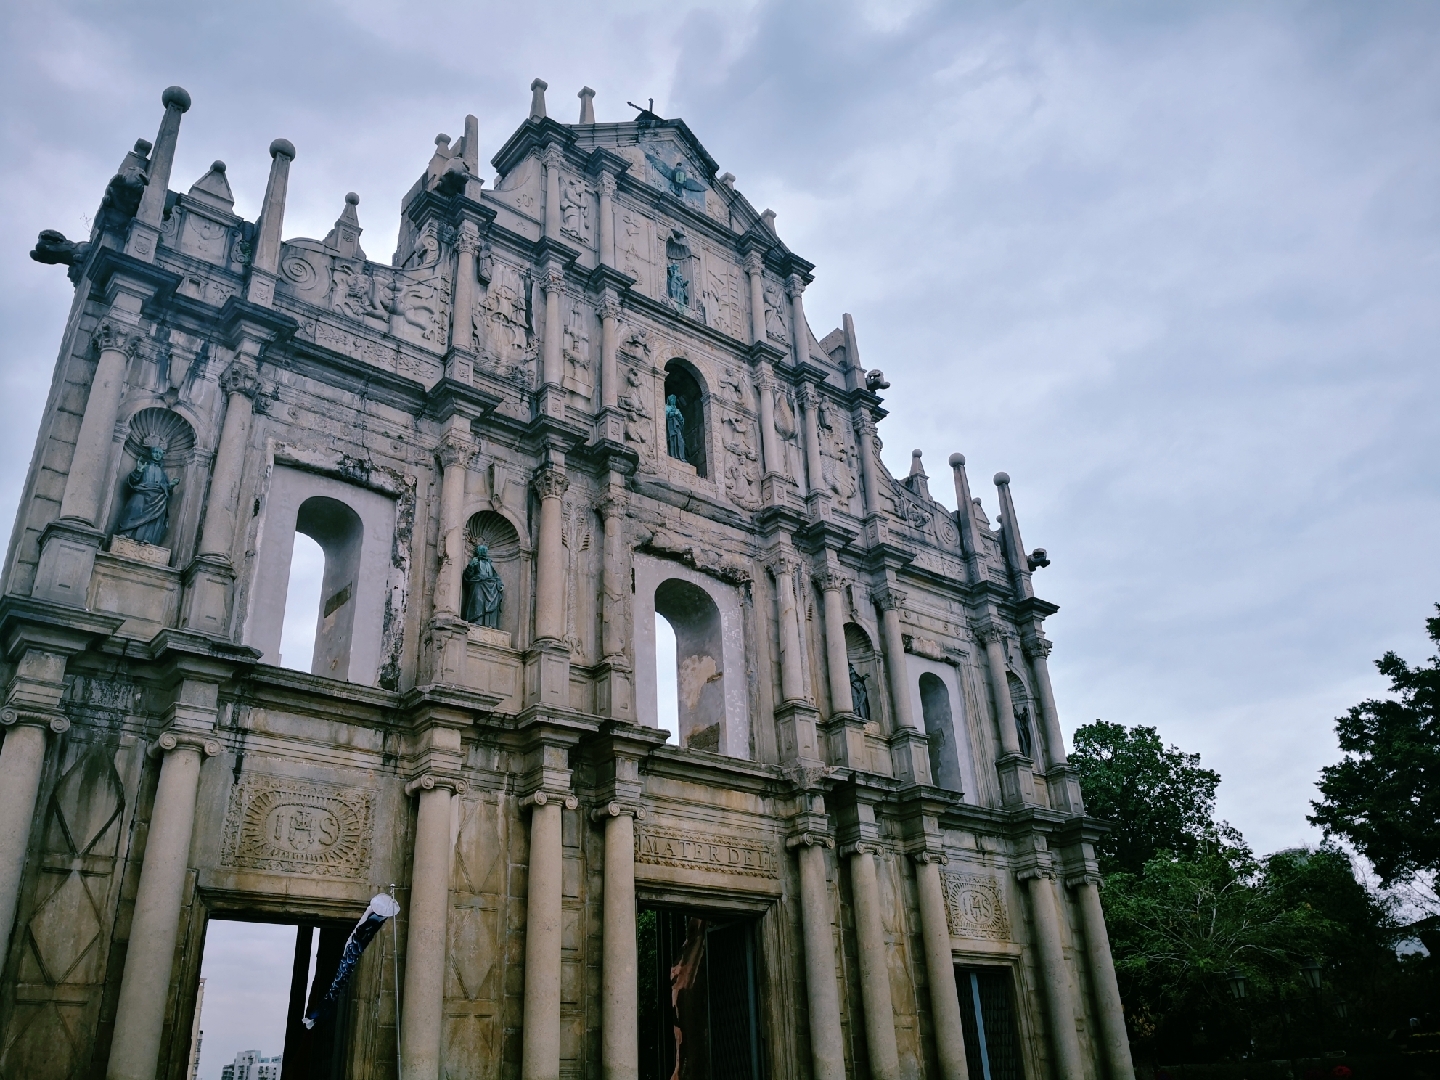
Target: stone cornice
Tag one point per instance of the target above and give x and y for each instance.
(27, 623)
(533, 135)
(449, 397)
(110, 263)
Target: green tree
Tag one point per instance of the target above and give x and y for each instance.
(1158, 798)
(1384, 795)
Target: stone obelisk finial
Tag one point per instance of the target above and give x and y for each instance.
(587, 105)
(143, 238)
(1010, 536)
(969, 539)
(537, 99)
(266, 260)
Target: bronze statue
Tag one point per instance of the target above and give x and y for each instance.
(148, 503)
(675, 428)
(859, 695)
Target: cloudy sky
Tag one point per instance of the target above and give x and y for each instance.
(1172, 266)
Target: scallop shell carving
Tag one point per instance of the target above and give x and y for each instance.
(494, 531)
(163, 426)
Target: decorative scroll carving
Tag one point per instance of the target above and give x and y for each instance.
(749, 855)
(974, 907)
(297, 827)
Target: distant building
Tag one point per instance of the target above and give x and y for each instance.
(249, 1065)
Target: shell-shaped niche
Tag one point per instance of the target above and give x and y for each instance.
(495, 531)
(149, 426)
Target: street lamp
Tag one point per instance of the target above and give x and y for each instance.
(1237, 985)
(1310, 972)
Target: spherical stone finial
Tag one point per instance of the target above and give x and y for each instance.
(143, 147)
(1001, 479)
(956, 460)
(539, 84)
(917, 453)
(176, 97)
(442, 140)
(282, 146)
(217, 166)
(352, 198)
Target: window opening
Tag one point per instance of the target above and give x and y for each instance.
(302, 600)
(684, 416)
(699, 1002)
(987, 1013)
(667, 713)
(698, 665)
(940, 731)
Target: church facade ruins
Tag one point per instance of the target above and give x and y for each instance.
(573, 403)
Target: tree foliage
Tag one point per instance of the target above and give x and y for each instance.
(1384, 795)
(1158, 798)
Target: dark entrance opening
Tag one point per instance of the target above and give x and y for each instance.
(987, 1011)
(699, 1007)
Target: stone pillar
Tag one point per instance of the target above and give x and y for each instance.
(150, 954)
(890, 601)
(614, 691)
(423, 1000)
(1114, 1041)
(795, 286)
(837, 659)
(965, 518)
(619, 1050)
(553, 364)
(587, 105)
(823, 994)
(266, 262)
(240, 384)
(462, 320)
(537, 99)
(1013, 546)
(551, 484)
(755, 271)
(1000, 689)
(22, 761)
(869, 473)
(940, 969)
(769, 442)
(145, 229)
(1037, 649)
(609, 342)
(540, 1024)
(1054, 976)
(607, 220)
(814, 467)
(116, 341)
(874, 966)
(454, 453)
(552, 157)
(792, 680)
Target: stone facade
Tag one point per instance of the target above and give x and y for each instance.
(870, 781)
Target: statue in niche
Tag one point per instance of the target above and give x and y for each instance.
(774, 314)
(859, 695)
(677, 285)
(147, 502)
(483, 590)
(1022, 731)
(675, 428)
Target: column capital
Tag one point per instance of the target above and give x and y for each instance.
(830, 580)
(786, 562)
(241, 377)
(889, 598)
(609, 304)
(860, 847)
(552, 156)
(550, 482)
(13, 717)
(454, 449)
(544, 798)
(618, 808)
(607, 183)
(754, 262)
(794, 285)
(1036, 646)
(552, 278)
(113, 335)
(429, 781)
(467, 238)
(926, 857)
(809, 839)
(612, 506)
(179, 739)
(990, 634)
(1083, 877)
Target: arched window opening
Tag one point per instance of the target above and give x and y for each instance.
(684, 415)
(302, 600)
(338, 531)
(1024, 728)
(667, 714)
(698, 663)
(940, 729)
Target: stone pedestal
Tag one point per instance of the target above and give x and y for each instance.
(67, 561)
(209, 589)
(910, 757)
(845, 742)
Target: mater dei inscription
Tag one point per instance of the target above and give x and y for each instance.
(297, 827)
(749, 856)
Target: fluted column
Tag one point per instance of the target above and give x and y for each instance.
(454, 454)
(553, 282)
(795, 286)
(609, 342)
(837, 659)
(22, 761)
(240, 384)
(792, 680)
(1114, 1040)
(619, 1021)
(874, 966)
(769, 440)
(755, 270)
(145, 228)
(540, 1023)
(116, 340)
(1054, 976)
(266, 262)
(462, 320)
(940, 969)
(613, 577)
(890, 601)
(823, 994)
(551, 484)
(150, 954)
(814, 467)
(607, 219)
(552, 158)
(423, 1000)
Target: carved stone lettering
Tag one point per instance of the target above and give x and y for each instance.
(297, 827)
(749, 856)
(974, 907)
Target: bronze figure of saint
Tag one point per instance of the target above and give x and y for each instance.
(147, 500)
(483, 590)
(859, 695)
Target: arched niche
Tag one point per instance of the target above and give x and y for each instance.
(709, 654)
(936, 699)
(158, 427)
(685, 384)
(863, 660)
(1024, 715)
(511, 559)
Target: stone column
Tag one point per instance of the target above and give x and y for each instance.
(552, 157)
(1054, 976)
(116, 341)
(266, 262)
(755, 270)
(619, 1051)
(606, 253)
(940, 969)
(553, 369)
(823, 994)
(814, 467)
(423, 1000)
(454, 453)
(890, 601)
(792, 681)
(462, 321)
(1000, 689)
(613, 575)
(150, 954)
(22, 761)
(540, 1024)
(795, 286)
(869, 473)
(837, 659)
(874, 966)
(145, 229)
(551, 484)
(769, 441)
(1114, 1041)
(240, 384)
(609, 341)
(1037, 649)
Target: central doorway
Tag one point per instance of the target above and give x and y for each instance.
(699, 1008)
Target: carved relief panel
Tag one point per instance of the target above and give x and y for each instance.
(974, 907)
(280, 825)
